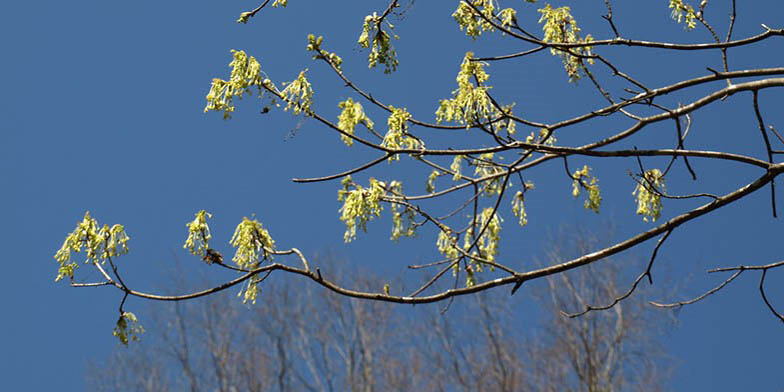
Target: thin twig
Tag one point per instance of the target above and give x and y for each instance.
(647, 272)
(700, 298)
(765, 298)
(345, 173)
(761, 125)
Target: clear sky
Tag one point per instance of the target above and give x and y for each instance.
(102, 110)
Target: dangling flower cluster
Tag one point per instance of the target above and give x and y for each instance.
(561, 28)
(245, 73)
(681, 11)
(446, 244)
(470, 21)
(99, 244)
(314, 45)
(402, 222)
(488, 242)
(456, 167)
(518, 205)
(397, 136)
(382, 51)
(360, 205)
(348, 119)
(470, 102)
(298, 95)
(475, 24)
(251, 240)
(430, 186)
(648, 191)
(540, 139)
(582, 179)
(198, 240)
(485, 167)
(128, 329)
(508, 16)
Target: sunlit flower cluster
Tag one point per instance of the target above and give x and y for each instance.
(348, 119)
(360, 205)
(648, 191)
(253, 242)
(198, 240)
(98, 244)
(314, 45)
(485, 167)
(245, 73)
(470, 103)
(298, 95)
(581, 179)
(682, 11)
(397, 136)
(381, 49)
(127, 328)
(561, 28)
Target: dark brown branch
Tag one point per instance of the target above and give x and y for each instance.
(700, 298)
(609, 18)
(765, 297)
(345, 173)
(748, 267)
(738, 270)
(647, 272)
(761, 125)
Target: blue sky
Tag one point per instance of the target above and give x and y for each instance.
(103, 111)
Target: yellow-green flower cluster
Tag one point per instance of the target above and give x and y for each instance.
(475, 24)
(518, 208)
(446, 244)
(485, 167)
(430, 186)
(348, 119)
(470, 21)
(583, 179)
(533, 139)
(245, 73)
(99, 245)
(681, 11)
(397, 136)
(314, 45)
(251, 291)
(648, 191)
(508, 16)
(402, 222)
(198, 240)
(470, 102)
(561, 28)
(456, 167)
(360, 205)
(298, 95)
(251, 240)
(381, 49)
(127, 328)
(488, 242)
